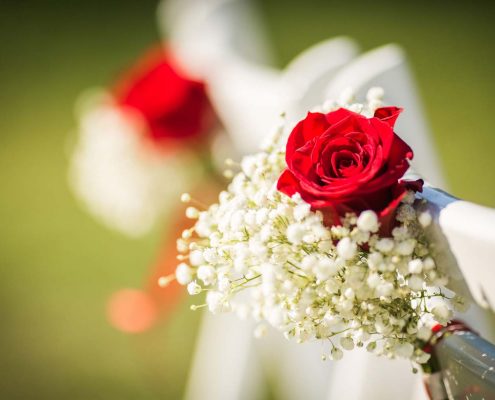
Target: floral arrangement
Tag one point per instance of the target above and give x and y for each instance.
(321, 236)
(134, 141)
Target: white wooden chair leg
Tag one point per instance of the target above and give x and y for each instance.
(225, 365)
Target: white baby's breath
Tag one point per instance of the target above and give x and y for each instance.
(345, 284)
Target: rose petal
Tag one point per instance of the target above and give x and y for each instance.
(388, 114)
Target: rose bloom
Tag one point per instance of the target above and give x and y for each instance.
(344, 162)
(172, 105)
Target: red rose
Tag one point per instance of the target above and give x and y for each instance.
(173, 106)
(344, 162)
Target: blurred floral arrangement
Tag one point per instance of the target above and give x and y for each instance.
(321, 236)
(135, 141)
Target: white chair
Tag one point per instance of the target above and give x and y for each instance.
(248, 96)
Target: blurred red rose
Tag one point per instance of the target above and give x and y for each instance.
(172, 105)
(345, 162)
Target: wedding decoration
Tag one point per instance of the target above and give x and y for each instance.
(321, 236)
(135, 141)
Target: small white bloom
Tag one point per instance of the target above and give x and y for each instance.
(428, 264)
(368, 221)
(441, 313)
(371, 347)
(193, 288)
(415, 266)
(373, 280)
(309, 262)
(425, 219)
(182, 246)
(210, 255)
(385, 245)
(406, 247)
(196, 258)
(424, 333)
(336, 354)
(301, 211)
(185, 197)
(206, 273)
(248, 165)
(223, 284)
(384, 289)
(184, 274)
(347, 343)
(261, 216)
(215, 301)
(375, 93)
(415, 283)
(349, 293)
(192, 212)
(346, 248)
(375, 260)
(325, 268)
(422, 357)
(295, 233)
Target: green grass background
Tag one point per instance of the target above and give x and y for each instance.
(58, 266)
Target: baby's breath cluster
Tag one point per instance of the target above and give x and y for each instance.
(347, 285)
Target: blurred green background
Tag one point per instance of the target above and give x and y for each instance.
(58, 266)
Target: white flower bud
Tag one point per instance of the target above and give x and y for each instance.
(248, 165)
(346, 248)
(184, 273)
(295, 233)
(425, 219)
(384, 289)
(424, 333)
(214, 300)
(301, 211)
(185, 197)
(347, 343)
(336, 354)
(415, 266)
(261, 216)
(375, 260)
(415, 283)
(309, 262)
(210, 255)
(182, 246)
(362, 335)
(193, 288)
(206, 273)
(422, 358)
(428, 264)
(385, 245)
(371, 347)
(368, 221)
(196, 258)
(406, 247)
(347, 96)
(441, 313)
(373, 280)
(375, 93)
(325, 268)
(223, 284)
(192, 212)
